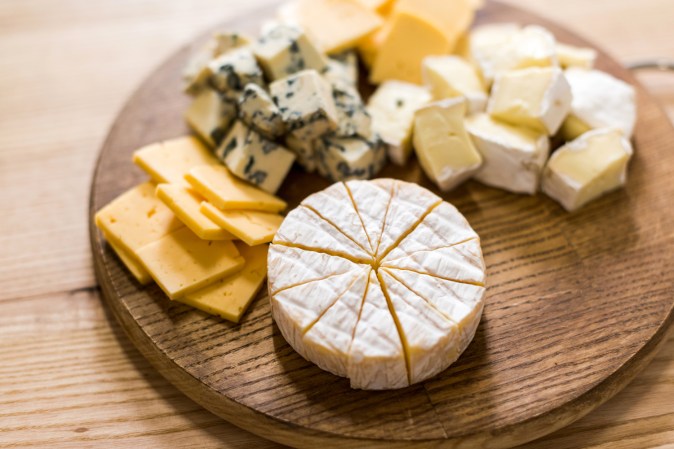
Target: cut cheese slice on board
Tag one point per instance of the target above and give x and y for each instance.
(130, 262)
(252, 226)
(388, 314)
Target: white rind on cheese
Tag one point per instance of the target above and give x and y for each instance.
(372, 199)
(514, 157)
(571, 56)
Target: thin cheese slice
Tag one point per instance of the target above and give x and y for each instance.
(185, 203)
(225, 191)
(131, 263)
(136, 218)
(231, 296)
(170, 160)
(252, 226)
(181, 262)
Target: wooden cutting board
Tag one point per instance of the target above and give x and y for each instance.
(577, 304)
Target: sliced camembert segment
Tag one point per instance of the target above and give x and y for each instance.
(452, 76)
(392, 108)
(514, 156)
(442, 144)
(599, 100)
(170, 160)
(231, 296)
(396, 316)
(184, 202)
(225, 191)
(588, 167)
(254, 227)
(570, 56)
(539, 98)
(181, 262)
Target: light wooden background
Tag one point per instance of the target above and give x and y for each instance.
(68, 375)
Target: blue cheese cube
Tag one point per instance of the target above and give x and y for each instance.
(226, 41)
(304, 150)
(284, 50)
(258, 110)
(345, 158)
(353, 118)
(231, 72)
(342, 68)
(210, 117)
(306, 103)
(250, 156)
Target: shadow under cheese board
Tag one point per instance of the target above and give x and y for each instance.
(577, 304)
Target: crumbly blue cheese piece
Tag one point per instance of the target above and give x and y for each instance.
(258, 110)
(304, 150)
(342, 68)
(210, 116)
(345, 158)
(353, 118)
(284, 50)
(392, 109)
(232, 71)
(224, 41)
(250, 156)
(305, 100)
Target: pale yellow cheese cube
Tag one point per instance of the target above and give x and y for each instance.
(336, 24)
(225, 191)
(537, 97)
(571, 56)
(370, 44)
(445, 151)
(251, 226)
(181, 262)
(231, 296)
(136, 218)
(131, 263)
(588, 167)
(170, 160)
(185, 203)
(452, 76)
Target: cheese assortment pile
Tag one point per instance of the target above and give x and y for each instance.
(489, 112)
(378, 281)
(195, 229)
(292, 95)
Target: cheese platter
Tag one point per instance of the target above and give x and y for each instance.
(576, 304)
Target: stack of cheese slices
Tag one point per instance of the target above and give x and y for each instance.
(200, 233)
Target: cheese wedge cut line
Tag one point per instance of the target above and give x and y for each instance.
(329, 253)
(383, 223)
(401, 334)
(410, 230)
(287, 287)
(430, 304)
(385, 262)
(360, 311)
(458, 281)
(362, 223)
(313, 209)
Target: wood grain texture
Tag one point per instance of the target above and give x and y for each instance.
(563, 289)
(70, 377)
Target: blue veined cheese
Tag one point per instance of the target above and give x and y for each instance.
(306, 103)
(250, 156)
(353, 118)
(231, 72)
(258, 110)
(197, 73)
(344, 158)
(284, 50)
(342, 68)
(304, 150)
(210, 117)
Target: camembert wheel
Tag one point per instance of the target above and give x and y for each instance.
(378, 281)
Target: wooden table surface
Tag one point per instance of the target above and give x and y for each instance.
(69, 376)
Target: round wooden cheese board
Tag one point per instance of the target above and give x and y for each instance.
(577, 304)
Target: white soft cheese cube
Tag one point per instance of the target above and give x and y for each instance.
(444, 148)
(392, 108)
(210, 117)
(345, 158)
(536, 97)
(231, 72)
(452, 76)
(571, 56)
(599, 100)
(250, 156)
(514, 157)
(306, 103)
(588, 167)
(258, 110)
(284, 50)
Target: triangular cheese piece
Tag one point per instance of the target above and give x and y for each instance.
(372, 200)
